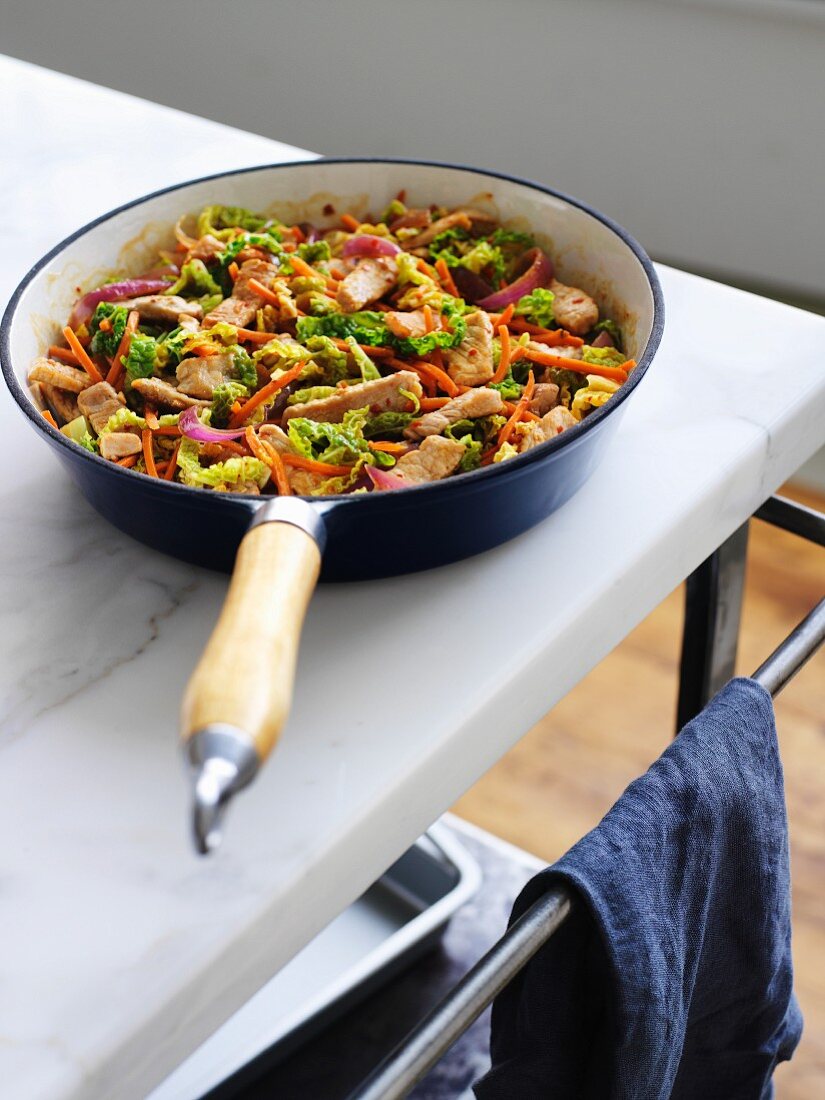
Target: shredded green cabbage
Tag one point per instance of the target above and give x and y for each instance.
(537, 307)
(237, 470)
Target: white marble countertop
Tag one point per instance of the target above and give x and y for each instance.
(121, 949)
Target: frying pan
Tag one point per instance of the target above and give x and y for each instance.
(239, 696)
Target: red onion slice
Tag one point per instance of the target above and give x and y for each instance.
(129, 288)
(191, 426)
(382, 479)
(368, 245)
(539, 273)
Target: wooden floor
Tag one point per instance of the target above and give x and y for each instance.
(568, 770)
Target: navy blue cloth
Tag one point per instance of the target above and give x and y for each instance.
(672, 975)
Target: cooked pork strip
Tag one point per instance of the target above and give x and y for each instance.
(437, 457)
(471, 363)
(158, 392)
(369, 280)
(98, 403)
(163, 309)
(467, 405)
(380, 395)
(573, 309)
(116, 445)
(60, 375)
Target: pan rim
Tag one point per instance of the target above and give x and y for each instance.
(513, 465)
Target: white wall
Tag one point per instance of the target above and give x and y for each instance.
(699, 125)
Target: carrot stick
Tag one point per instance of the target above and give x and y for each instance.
(349, 222)
(562, 362)
(301, 267)
(116, 371)
(81, 355)
(298, 234)
(151, 419)
(429, 320)
(48, 417)
(264, 292)
(441, 377)
(425, 371)
(64, 355)
(172, 464)
(279, 473)
(373, 352)
(314, 467)
(505, 317)
(521, 408)
(105, 324)
(264, 394)
(267, 454)
(250, 336)
(128, 462)
(504, 361)
(233, 271)
(148, 455)
(390, 448)
(167, 429)
(553, 337)
(428, 404)
(446, 278)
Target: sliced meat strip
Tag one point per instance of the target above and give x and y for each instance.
(62, 403)
(369, 280)
(240, 308)
(464, 219)
(412, 219)
(481, 402)
(98, 403)
(302, 482)
(163, 309)
(437, 457)
(116, 445)
(545, 396)
(59, 374)
(276, 437)
(405, 324)
(551, 424)
(158, 392)
(206, 249)
(471, 363)
(380, 395)
(199, 376)
(573, 309)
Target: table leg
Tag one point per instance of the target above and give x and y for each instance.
(713, 608)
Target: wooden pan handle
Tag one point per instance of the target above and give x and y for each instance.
(246, 674)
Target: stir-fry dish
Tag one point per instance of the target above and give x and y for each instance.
(259, 357)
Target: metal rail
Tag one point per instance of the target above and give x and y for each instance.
(717, 596)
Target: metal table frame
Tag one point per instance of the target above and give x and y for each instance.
(713, 605)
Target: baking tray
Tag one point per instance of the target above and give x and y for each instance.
(399, 917)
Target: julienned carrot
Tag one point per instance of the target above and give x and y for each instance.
(428, 370)
(264, 292)
(172, 464)
(115, 375)
(314, 467)
(298, 234)
(128, 462)
(152, 422)
(81, 355)
(368, 349)
(263, 395)
(446, 278)
(48, 416)
(390, 448)
(64, 355)
(233, 271)
(279, 473)
(301, 267)
(148, 454)
(505, 317)
(562, 362)
(429, 320)
(553, 337)
(167, 429)
(428, 404)
(521, 408)
(251, 336)
(349, 222)
(504, 361)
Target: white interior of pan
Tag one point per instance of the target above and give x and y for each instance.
(586, 252)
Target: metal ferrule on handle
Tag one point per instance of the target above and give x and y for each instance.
(239, 696)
